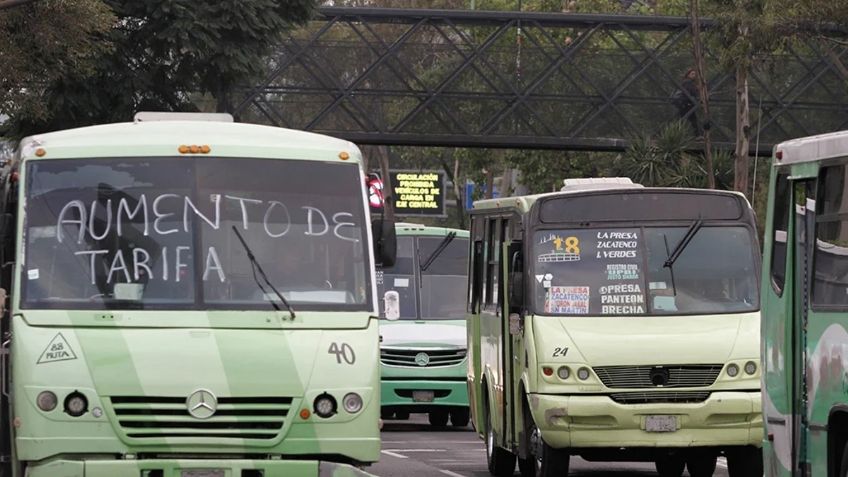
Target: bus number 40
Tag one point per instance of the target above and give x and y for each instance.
(343, 352)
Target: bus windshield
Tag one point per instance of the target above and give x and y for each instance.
(435, 293)
(627, 271)
(158, 233)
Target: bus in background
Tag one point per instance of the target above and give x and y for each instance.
(616, 322)
(805, 309)
(423, 354)
(188, 297)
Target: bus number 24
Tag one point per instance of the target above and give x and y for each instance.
(342, 352)
(560, 352)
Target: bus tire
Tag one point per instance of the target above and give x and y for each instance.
(843, 464)
(501, 462)
(670, 466)
(460, 416)
(542, 459)
(745, 462)
(701, 463)
(438, 417)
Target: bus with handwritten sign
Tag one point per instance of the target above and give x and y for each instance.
(615, 322)
(805, 298)
(423, 350)
(188, 297)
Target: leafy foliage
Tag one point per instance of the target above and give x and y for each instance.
(44, 42)
(164, 52)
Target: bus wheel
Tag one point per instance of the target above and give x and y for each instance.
(701, 464)
(500, 462)
(671, 466)
(843, 465)
(439, 417)
(460, 416)
(745, 462)
(548, 462)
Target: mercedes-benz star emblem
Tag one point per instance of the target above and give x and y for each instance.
(202, 404)
(422, 359)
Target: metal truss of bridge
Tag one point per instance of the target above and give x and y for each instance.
(529, 80)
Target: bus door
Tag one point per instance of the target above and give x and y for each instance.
(803, 193)
(513, 311)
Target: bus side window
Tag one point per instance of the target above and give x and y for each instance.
(780, 225)
(830, 262)
(475, 274)
(493, 254)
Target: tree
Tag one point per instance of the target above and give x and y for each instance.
(166, 53)
(44, 42)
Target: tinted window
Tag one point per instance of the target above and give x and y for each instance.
(639, 205)
(443, 283)
(830, 285)
(780, 226)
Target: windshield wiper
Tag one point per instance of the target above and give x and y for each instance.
(678, 249)
(441, 248)
(256, 267)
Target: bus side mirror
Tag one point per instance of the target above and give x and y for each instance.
(385, 242)
(391, 305)
(516, 280)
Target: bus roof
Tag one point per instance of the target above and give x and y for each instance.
(525, 202)
(163, 138)
(812, 148)
(408, 228)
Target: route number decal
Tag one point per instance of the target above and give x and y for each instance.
(560, 352)
(343, 352)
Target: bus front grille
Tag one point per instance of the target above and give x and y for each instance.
(651, 397)
(148, 417)
(423, 357)
(680, 376)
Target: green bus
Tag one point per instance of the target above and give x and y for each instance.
(616, 322)
(805, 299)
(188, 297)
(423, 353)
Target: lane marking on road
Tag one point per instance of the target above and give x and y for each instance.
(721, 462)
(418, 450)
(393, 454)
(452, 474)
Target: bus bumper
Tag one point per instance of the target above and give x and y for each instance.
(724, 419)
(192, 468)
(445, 393)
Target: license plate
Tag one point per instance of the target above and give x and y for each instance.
(202, 473)
(422, 396)
(661, 423)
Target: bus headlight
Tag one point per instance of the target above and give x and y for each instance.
(76, 404)
(750, 367)
(563, 372)
(46, 401)
(732, 370)
(583, 374)
(352, 403)
(325, 405)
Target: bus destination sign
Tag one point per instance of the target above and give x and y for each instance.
(418, 192)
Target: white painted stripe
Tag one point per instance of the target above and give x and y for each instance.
(452, 474)
(721, 462)
(418, 450)
(393, 454)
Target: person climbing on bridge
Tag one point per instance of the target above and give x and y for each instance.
(686, 97)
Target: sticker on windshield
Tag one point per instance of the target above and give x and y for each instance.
(32, 274)
(657, 286)
(545, 279)
(568, 300)
(565, 249)
(401, 283)
(622, 271)
(624, 299)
